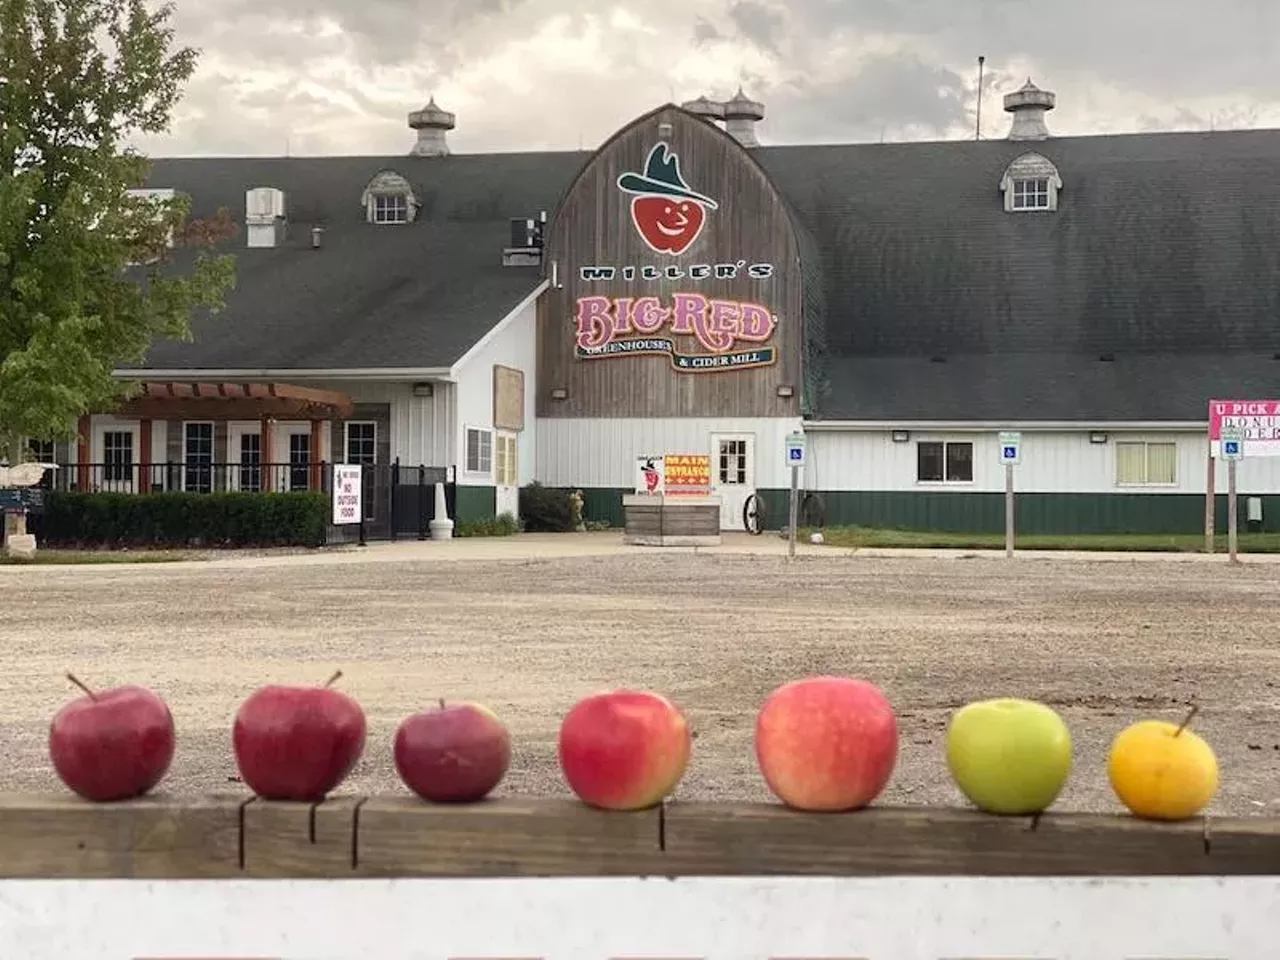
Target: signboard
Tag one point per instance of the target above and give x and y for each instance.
(650, 475)
(696, 331)
(348, 493)
(18, 499)
(1257, 420)
(687, 918)
(686, 474)
(795, 450)
(508, 398)
(1232, 443)
(1010, 448)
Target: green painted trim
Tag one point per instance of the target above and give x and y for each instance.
(965, 512)
(475, 503)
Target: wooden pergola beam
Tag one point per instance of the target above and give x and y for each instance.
(236, 401)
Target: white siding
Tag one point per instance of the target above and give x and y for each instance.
(602, 453)
(1052, 462)
(421, 427)
(514, 345)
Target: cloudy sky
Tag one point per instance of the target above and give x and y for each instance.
(338, 76)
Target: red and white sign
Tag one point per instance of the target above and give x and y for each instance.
(347, 493)
(1257, 420)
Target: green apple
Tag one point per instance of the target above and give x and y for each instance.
(1009, 756)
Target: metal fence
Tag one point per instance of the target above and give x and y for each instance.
(399, 499)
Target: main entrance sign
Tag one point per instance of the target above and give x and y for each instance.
(616, 326)
(667, 213)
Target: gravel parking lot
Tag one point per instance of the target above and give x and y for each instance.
(1105, 643)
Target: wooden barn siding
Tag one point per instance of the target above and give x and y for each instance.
(594, 226)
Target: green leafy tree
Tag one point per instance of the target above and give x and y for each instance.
(90, 273)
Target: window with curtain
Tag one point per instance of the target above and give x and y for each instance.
(1145, 463)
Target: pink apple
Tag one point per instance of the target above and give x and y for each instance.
(297, 743)
(112, 744)
(457, 753)
(624, 749)
(827, 743)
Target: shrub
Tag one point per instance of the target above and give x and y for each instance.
(545, 509)
(184, 519)
(503, 525)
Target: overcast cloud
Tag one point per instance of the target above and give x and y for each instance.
(339, 76)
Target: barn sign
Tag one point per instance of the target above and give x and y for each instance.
(1257, 420)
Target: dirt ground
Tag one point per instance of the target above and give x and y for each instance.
(1106, 643)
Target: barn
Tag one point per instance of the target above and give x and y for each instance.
(495, 319)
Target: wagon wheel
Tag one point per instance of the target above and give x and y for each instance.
(813, 512)
(754, 515)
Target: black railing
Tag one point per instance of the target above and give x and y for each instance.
(399, 499)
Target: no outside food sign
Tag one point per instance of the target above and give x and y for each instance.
(347, 491)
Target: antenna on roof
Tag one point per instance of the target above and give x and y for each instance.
(977, 134)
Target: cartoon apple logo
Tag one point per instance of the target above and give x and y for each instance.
(668, 214)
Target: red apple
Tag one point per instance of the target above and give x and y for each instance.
(827, 743)
(453, 754)
(112, 744)
(297, 743)
(624, 749)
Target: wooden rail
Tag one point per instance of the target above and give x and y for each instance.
(400, 836)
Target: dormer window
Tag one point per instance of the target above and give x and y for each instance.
(390, 208)
(1031, 183)
(389, 198)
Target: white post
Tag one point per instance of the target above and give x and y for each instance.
(794, 511)
(1231, 512)
(441, 525)
(1008, 509)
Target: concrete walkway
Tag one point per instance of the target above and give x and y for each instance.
(548, 546)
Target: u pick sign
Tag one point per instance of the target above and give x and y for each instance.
(1258, 423)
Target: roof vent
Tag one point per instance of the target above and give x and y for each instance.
(1029, 106)
(709, 110)
(264, 219)
(741, 114)
(432, 124)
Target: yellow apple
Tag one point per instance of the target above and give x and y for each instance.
(1162, 771)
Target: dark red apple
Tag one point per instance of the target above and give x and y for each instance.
(112, 744)
(297, 743)
(453, 754)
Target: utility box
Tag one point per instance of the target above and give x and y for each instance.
(1253, 514)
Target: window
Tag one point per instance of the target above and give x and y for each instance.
(299, 461)
(390, 208)
(732, 462)
(944, 462)
(117, 456)
(250, 463)
(1031, 194)
(1141, 463)
(198, 458)
(362, 442)
(506, 466)
(42, 451)
(479, 451)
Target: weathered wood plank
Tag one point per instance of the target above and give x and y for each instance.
(299, 839)
(153, 838)
(721, 839)
(404, 837)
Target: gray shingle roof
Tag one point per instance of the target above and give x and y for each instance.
(1164, 253)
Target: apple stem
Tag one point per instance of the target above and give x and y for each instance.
(1195, 708)
(332, 680)
(442, 703)
(76, 680)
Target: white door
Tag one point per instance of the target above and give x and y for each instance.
(733, 475)
(244, 458)
(119, 447)
(506, 474)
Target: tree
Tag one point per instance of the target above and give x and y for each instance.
(90, 274)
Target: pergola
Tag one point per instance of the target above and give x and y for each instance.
(264, 402)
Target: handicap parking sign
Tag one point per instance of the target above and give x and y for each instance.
(1010, 453)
